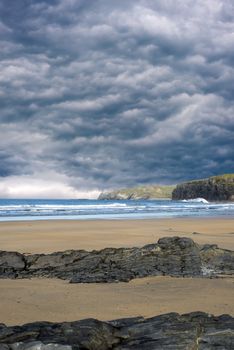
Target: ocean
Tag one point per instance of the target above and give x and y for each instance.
(82, 209)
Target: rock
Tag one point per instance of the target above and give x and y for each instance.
(217, 188)
(174, 256)
(196, 330)
(38, 345)
(4, 347)
(86, 334)
(113, 196)
(219, 260)
(11, 263)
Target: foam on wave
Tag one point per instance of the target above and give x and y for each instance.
(196, 200)
(99, 209)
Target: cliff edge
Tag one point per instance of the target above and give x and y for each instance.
(216, 188)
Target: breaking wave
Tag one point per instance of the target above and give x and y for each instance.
(196, 200)
(20, 209)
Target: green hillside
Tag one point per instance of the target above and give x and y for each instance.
(140, 192)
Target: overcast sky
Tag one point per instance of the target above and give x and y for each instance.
(100, 94)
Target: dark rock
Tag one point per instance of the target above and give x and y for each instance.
(11, 263)
(4, 347)
(219, 260)
(217, 188)
(170, 331)
(174, 256)
(38, 345)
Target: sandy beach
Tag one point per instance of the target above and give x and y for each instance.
(58, 235)
(24, 301)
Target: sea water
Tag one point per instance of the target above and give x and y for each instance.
(81, 209)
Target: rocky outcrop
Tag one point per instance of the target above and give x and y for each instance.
(196, 330)
(116, 196)
(172, 256)
(217, 188)
(139, 192)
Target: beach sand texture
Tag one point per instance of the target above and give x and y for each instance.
(58, 235)
(24, 301)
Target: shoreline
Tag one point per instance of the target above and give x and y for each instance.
(108, 217)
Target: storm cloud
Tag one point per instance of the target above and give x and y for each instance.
(100, 94)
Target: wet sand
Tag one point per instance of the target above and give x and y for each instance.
(23, 301)
(58, 235)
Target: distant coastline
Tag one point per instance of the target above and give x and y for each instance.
(139, 192)
(215, 188)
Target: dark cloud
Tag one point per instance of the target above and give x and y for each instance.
(110, 94)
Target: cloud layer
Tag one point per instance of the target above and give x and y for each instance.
(99, 94)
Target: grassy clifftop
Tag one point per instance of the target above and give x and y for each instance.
(225, 178)
(139, 192)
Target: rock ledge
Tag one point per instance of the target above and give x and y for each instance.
(196, 330)
(173, 256)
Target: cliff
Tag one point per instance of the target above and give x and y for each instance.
(216, 188)
(139, 192)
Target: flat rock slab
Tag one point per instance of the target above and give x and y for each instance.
(170, 331)
(174, 256)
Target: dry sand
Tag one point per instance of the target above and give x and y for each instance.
(24, 301)
(57, 235)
